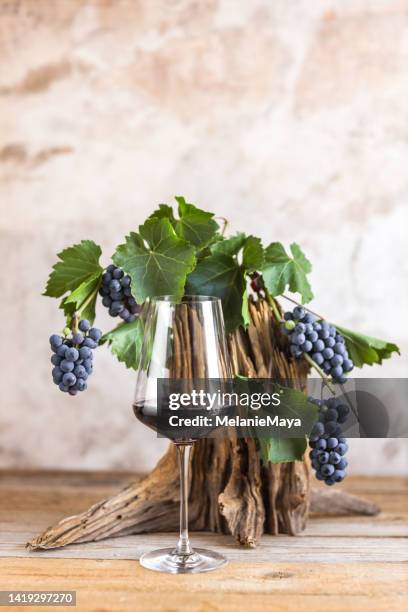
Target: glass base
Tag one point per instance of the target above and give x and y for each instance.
(167, 560)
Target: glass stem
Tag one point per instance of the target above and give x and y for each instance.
(183, 546)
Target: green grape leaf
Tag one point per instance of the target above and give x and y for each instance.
(294, 404)
(79, 263)
(156, 259)
(125, 341)
(280, 271)
(83, 299)
(253, 254)
(365, 349)
(229, 246)
(195, 225)
(223, 277)
(281, 450)
(164, 212)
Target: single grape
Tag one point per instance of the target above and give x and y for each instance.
(89, 343)
(124, 314)
(326, 366)
(331, 414)
(63, 387)
(318, 358)
(81, 384)
(61, 350)
(334, 458)
(308, 317)
(77, 338)
(71, 354)
(55, 341)
(88, 365)
(343, 411)
(84, 325)
(327, 469)
(329, 342)
(324, 334)
(328, 353)
(55, 359)
(331, 443)
(114, 285)
(321, 444)
(117, 273)
(57, 374)
(117, 306)
(85, 352)
(298, 339)
(299, 313)
(337, 372)
(339, 348)
(318, 429)
(67, 366)
(323, 457)
(319, 346)
(337, 360)
(330, 427)
(116, 296)
(342, 449)
(348, 365)
(295, 350)
(95, 334)
(69, 379)
(80, 371)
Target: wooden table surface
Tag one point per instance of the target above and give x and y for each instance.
(341, 563)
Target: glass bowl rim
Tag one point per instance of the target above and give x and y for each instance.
(189, 299)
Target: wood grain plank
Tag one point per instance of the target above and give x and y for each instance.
(124, 585)
(301, 549)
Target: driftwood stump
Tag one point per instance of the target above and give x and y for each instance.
(230, 490)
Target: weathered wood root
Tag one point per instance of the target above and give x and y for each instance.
(230, 490)
(340, 503)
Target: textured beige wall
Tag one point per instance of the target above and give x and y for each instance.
(289, 118)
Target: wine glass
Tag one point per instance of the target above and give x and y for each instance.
(183, 339)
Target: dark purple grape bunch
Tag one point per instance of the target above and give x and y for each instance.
(320, 340)
(72, 357)
(327, 442)
(117, 296)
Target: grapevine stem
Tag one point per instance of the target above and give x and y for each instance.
(345, 394)
(224, 227)
(319, 370)
(77, 314)
(274, 308)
